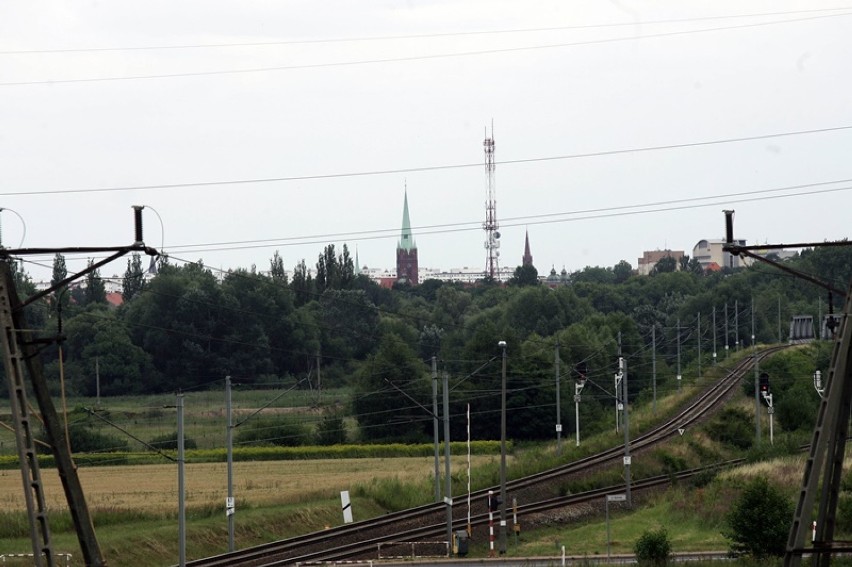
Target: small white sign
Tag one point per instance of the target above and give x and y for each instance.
(229, 506)
(681, 430)
(558, 428)
(616, 497)
(626, 461)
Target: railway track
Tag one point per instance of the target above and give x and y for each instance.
(363, 538)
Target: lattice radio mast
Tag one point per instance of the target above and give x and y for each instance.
(492, 235)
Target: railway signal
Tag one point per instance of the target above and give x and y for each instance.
(763, 384)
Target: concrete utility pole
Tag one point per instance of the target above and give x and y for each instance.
(435, 427)
(181, 485)
(737, 322)
(622, 369)
(654, 365)
(558, 407)
(756, 379)
(229, 441)
(714, 335)
(448, 496)
(679, 376)
(727, 338)
(502, 546)
(699, 344)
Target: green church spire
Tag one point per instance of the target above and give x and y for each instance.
(406, 240)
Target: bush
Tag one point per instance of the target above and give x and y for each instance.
(169, 442)
(759, 521)
(733, 426)
(653, 548)
(86, 440)
(283, 434)
(331, 431)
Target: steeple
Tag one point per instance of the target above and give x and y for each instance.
(357, 263)
(406, 250)
(527, 261)
(406, 240)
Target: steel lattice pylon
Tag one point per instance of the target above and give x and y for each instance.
(823, 469)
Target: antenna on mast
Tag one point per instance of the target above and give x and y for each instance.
(492, 235)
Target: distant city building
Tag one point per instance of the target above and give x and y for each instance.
(649, 259)
(710, 255)
(406, 251)
(779, 253)
(556, 280)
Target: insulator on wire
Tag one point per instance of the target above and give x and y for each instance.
(137, 223)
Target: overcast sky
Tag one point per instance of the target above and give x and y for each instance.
(241, 124)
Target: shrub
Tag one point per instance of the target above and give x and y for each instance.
(653, 548)
(331, 431)
(733, 426)
(281, 433)
(759, 520)
(169, 442)
(86, 440)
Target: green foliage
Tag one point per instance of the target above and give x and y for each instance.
(271, 453)
(733, 426)
(331, 430)
(653, 548)
(169, 442)
(133, 282)
(392, 494)
(666, 264)
(268, 432)
(759, 521)
(524, 275)
(394, 374)
(86, 440)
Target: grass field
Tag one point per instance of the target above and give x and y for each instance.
(135, 507)
(152, 489)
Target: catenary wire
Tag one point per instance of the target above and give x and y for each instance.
(407, 59)
(602, 153)
(418, 36)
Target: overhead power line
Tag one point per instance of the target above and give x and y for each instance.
(417, 36)
(282, 179)
(473, 53)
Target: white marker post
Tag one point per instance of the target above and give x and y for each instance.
(347, 506)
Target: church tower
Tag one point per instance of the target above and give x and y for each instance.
(527, 260)
(406, 251)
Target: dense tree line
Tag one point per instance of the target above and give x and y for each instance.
(189, 326)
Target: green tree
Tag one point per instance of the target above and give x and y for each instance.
(622, 271)
(524, 275)
(665, 265)
(60, 272)
(386, 385)
(302, 284)
(759, 521)
(276, 269)
(133, 281)
(331, 430)
(99, 346)
(653, 548)
(95, 291)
